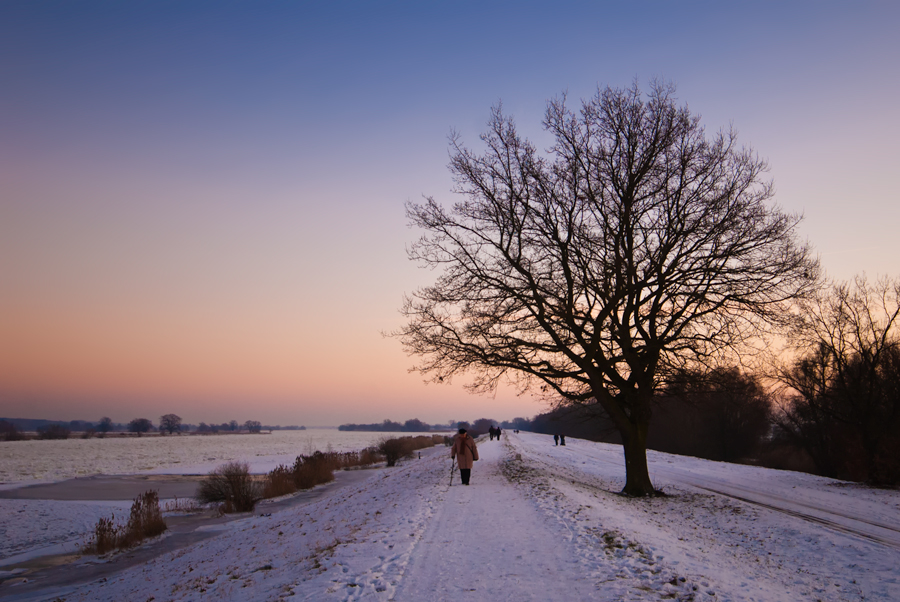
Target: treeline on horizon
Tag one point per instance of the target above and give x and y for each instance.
(12, 429)
(414, 425)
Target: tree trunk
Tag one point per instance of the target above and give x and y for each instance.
(637, 476)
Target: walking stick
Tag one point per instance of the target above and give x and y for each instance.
(452, 467)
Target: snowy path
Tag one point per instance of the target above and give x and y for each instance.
(539, 522)
(475, 548)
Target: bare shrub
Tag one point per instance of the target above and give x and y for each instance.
(233, 486)
(395, 449)
(370, 456)
(144, 521)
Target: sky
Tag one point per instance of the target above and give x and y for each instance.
(202, 203)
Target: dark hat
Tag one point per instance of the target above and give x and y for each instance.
(462, 431)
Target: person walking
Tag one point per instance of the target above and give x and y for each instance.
(466, 453)
(555, 439)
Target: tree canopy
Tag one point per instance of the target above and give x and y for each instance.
(634, 246)
(843, 406)
(170, 423)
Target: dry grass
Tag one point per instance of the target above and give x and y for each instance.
(314, 468)
(186, 505)
(279, 482)
(144, 521)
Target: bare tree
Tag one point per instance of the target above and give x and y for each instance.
(253, 426)
(635, 244)
(845, 406)
(140, 425)
(105, 425)
(170, 423)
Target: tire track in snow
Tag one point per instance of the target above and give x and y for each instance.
(831, 518)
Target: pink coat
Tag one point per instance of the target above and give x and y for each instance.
(464, 450)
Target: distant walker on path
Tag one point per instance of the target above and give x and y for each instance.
(465, 452)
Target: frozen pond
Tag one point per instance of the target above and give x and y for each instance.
(36, 461)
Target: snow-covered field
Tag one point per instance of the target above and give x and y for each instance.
(542, 523)
(47, 461)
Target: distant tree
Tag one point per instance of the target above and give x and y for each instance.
(414, 425)
(636, 245)
(233, 426)
(390, 425)
(481, 426)
(203, 428)
(843, 404)
(53, 431)
(170, 423)
(80, 425)
(140, 425)
(518, 423)
(253, 426)
(9, 432)
(105, 425)
(581, 421)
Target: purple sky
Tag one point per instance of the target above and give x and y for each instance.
(201, 203)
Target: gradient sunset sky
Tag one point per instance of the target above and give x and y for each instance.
(201, 203)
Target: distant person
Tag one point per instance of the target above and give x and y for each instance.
(491, 432)
(465, 452)
(562, 439)
(555, 439)
(497, 432)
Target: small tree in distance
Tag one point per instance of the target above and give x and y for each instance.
(139, 426)
(170, 423)
(253, 426)
(636, 246)
(105, 425)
